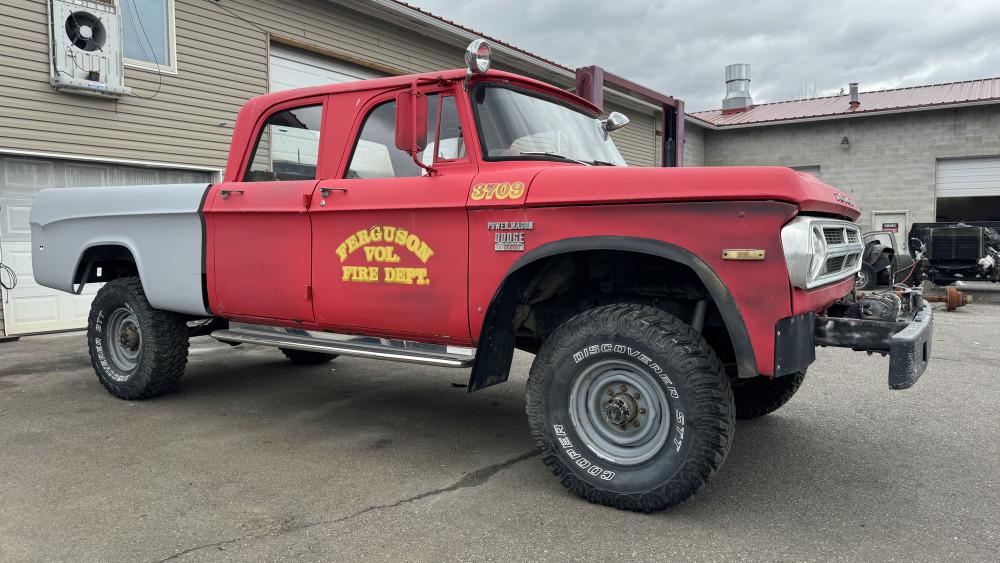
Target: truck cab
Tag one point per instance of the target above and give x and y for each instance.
(449, 218)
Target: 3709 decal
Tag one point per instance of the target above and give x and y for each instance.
(497, 191)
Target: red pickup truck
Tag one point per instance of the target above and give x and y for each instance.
(448, 218)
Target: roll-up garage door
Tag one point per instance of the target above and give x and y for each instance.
(30, 308)
(296, 68)
(968, 189)
(968, 177)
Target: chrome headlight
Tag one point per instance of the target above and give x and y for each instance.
(819, 251)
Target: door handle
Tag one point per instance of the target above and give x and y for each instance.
(325, 192)
(224, 194)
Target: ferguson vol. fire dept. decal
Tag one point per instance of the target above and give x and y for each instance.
(380, 245)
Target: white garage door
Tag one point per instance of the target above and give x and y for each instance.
(296, 68)
(968, 177)
(31, 308)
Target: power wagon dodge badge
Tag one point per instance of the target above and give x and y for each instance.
(642, 306)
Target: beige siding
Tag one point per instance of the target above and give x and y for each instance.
(186, 119)
(637, 142)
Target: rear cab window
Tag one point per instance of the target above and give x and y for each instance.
(287, 147)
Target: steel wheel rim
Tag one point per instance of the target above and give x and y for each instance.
(124, 338)
(603, 435)
(862, 279)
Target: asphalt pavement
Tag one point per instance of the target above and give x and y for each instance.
(253, 458)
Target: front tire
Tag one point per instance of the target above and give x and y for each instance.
(763, 395)
(630, 407)
(138, 352)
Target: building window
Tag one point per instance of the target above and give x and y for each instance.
(148, 34)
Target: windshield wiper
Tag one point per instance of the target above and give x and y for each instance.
(554, 155)
(604, 163)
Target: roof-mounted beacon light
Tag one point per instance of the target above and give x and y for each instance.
(478, 57)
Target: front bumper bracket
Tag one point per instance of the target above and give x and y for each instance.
(907, 342)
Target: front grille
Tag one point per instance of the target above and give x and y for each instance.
(852, 237)
(834, 235)
(834, 265)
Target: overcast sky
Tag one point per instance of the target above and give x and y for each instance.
(681, 47)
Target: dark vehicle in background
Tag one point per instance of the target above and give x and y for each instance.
(959, 251)
(882, 263)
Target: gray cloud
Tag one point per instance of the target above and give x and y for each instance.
(680, 47)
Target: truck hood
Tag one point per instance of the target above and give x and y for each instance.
(593, 185)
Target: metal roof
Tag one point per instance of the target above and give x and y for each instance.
(970, 92)
(489, 38)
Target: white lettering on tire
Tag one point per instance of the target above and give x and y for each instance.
(582, 462)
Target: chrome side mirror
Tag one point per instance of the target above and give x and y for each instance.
(614, 122)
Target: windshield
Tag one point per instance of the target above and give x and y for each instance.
(515, 125)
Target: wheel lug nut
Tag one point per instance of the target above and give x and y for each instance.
(642, 411)
(611, 393)
(635, 423)
(636, 396)
(623, 388)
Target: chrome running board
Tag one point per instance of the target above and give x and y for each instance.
(346, 345)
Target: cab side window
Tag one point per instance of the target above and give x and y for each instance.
(376, 156)
(450, 145)
(287, 147)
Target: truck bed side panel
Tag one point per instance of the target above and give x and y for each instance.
(160, 225)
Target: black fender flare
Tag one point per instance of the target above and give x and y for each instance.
(496, 341)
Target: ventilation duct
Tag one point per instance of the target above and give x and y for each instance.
(737, 89)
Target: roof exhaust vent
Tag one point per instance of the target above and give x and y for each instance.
(737, 89)
(855, 97)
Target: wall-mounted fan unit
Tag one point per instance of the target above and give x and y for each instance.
(85, 39)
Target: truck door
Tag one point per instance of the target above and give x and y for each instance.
(390, 241)
(258, 232)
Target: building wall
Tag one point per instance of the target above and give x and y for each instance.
(890, 164)
(222, 59)
(694, 145)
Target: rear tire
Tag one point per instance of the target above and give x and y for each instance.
(639, 365)
(305, 358)
(901, 266)
(763, 395)
(137, 351)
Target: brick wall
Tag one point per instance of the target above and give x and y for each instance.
(890, 164)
